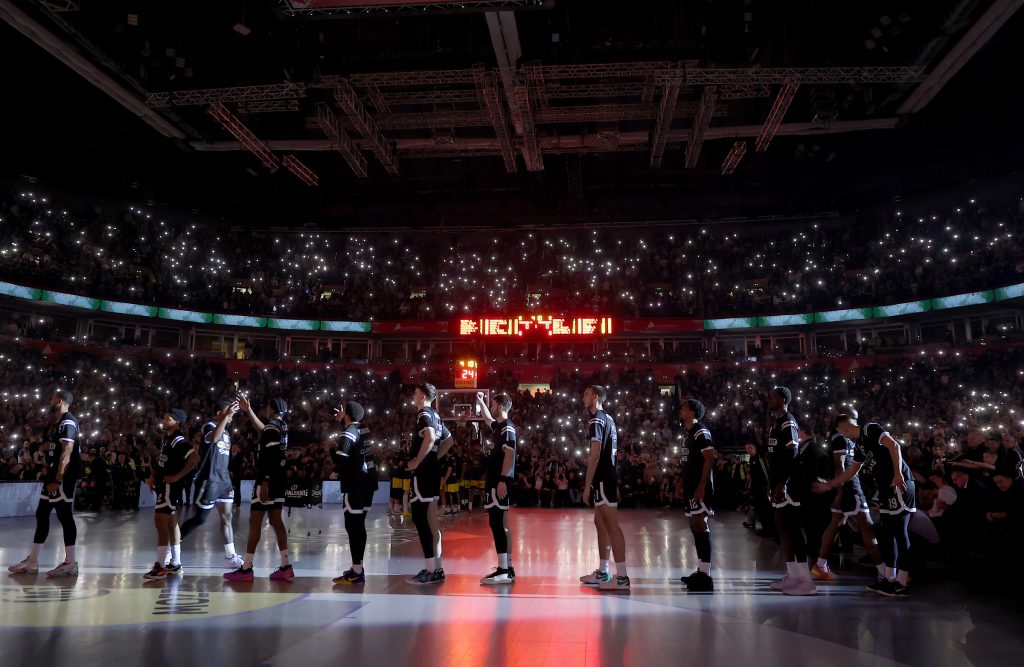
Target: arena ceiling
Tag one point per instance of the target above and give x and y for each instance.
(363, 109)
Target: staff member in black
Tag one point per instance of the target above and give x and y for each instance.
(782, 451)
(63, 461)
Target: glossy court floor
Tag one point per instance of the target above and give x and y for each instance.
(110, 616)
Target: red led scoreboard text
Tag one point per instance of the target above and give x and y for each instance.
(466, 374)
(536, 325)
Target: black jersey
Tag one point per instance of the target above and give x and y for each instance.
(814, 463)
(696, 441)
(271, 464)
(353, 456)
(872, 453)
(428, 418)
(602, 429)
(60, 432)
(174, 453)
(840, 444)
(503, 438)
(214, 457)
(783, 448)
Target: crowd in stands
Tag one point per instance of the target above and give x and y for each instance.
(132, 255)
(958, 416)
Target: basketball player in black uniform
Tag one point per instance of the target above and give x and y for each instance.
(353, 458)
(63, 463)
(501, 466)
(428, 437)
(697, 458)
(896, 497)
(177, 459)
(602, 491)
(214, 480)
(783, 449)
(268, 492)
(850, 504)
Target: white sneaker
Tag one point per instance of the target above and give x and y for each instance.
(499, 576)
(614, 584)
(24, 567)
(781, 584)
(800, 587)
(595, 578)
(64, 570)
(233, 562)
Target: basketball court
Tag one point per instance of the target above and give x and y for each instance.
(110, 615)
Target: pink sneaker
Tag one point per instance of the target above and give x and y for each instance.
(241, 574)
(283, 573)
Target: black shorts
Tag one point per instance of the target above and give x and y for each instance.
(426, 485)
(167, 495)
(358, 497)
(214, 492)
(790, 497)
(852, 502)
(275, 496)
(492, 500)
(605, 492)
(65, 494)
(694, 507)
(893, 502)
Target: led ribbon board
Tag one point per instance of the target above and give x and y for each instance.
(546, 326)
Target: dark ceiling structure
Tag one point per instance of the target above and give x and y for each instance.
(356, 99)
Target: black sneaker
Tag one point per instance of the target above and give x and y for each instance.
(422, 577)
(158, 572)
(173, 569)
(511, 572)
(897, 590)
(686, 578)
(882, 587)
(437, 576)
(700, 582)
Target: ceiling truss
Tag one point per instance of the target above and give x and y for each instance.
(518, 104)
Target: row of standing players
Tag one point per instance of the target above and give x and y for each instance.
(856, 447)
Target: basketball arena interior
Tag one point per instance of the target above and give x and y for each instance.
(511, 332)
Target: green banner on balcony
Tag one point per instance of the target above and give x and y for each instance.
(185, 315)
(128, 308)
(74, 300)
(731, 323)
(845, 315)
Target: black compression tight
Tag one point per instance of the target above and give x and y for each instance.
(787, 519)
(702, 542)
(893, 532)
(496, 518)
(355, 525)
(67, 520)
(422, 523)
